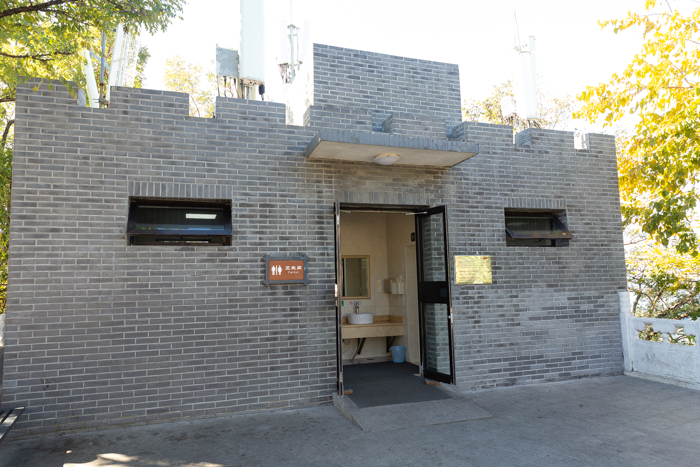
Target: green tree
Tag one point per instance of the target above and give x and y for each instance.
(44, 39)
(142, 58)
(181, 76)
(664, 283)
(659, 162)
(5, 187)
(555, 112)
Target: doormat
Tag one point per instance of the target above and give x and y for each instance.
(388, 383)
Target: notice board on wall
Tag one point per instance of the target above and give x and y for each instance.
(286, 270)
(473, 270)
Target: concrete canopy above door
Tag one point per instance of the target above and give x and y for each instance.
(364, 146)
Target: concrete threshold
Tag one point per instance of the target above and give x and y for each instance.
(416, 414)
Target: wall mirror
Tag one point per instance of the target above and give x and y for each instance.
(356, 277)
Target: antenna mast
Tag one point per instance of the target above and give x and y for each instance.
(525, 82)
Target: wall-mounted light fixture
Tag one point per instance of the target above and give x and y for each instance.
(386, 159)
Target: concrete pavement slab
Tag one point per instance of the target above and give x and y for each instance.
(413, 415)
(616, 421)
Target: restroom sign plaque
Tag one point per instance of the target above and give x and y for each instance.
(285, 270)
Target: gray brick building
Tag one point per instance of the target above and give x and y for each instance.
(103, 332)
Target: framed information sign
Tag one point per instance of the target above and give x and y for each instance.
(286, 270)
(473, 269)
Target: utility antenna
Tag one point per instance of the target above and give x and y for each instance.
(525, 79)
(289, 60)
(517, 32)
(251, 82)
(121, 67)
(293, 40)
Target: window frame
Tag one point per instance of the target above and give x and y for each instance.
(552, 216)
(192, 237)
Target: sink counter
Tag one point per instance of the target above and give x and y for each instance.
(383, 326)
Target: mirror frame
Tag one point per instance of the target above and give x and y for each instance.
(369, 278)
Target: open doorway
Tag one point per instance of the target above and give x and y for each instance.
(392, 302)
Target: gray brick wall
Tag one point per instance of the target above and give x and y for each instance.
(551, 313)
(101, 333)
(415, 125)
(386, 84)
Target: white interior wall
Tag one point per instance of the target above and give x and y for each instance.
(386, 238)
(401, 263)
(364, 233)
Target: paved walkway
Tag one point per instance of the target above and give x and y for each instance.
(594, 422)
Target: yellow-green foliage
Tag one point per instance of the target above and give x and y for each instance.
(190, 78)
(664, 283)
(555, 112)
(659, 162)
(43, 39)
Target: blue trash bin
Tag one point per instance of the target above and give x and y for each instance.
(398, 353)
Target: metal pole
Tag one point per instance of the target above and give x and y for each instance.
(291, 40)
(102, 64)
(292, 59)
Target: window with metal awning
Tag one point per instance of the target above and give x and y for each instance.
(535, 229)
(165, 221)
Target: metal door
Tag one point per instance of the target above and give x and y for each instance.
(434, 306)
(338, 314)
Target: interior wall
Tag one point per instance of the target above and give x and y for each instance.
(364, 233)
(412, 323)
(385, 238)
(398, 238)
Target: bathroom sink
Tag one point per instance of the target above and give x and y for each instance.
(360, 318)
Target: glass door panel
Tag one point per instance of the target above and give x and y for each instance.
(437, 338)
(432, 233)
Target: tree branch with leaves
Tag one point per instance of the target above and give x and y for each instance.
(659, 162)
(190, 78)
(45, 40)
(555, 112)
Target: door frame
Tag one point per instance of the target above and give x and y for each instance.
(338, 295)
(379, 208)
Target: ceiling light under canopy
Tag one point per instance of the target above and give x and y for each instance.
(386, 159)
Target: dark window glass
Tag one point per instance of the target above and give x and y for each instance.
(178, 218)
(176, 222)
(540, 229)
